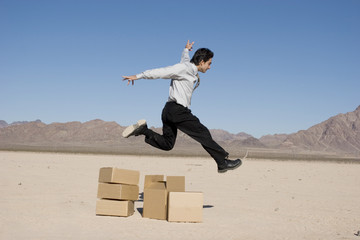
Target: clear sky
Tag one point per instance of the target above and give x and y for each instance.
(280, 66)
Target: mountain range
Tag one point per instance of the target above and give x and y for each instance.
(339, 134)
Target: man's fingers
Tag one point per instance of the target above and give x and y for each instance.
(129, 79)
(132, 82)
(189, 45)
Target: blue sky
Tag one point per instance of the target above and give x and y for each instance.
(279, 66)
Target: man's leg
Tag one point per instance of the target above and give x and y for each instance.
(184, 120)
(192, 126)
(175, 116)
(166, 141)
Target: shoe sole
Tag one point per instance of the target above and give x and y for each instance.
(225, 170)
(130, 129)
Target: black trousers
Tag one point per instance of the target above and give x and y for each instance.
(175, 116)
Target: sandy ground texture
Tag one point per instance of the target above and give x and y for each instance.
(53, 196)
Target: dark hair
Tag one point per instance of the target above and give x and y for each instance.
(202, 54)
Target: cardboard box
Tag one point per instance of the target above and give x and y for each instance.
(118, 191)
(185, 206)
(150, 179)
(116, 175)
(155, 201)
(114, 208)
(175, 183)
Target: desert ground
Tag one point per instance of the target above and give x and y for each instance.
(53, 196)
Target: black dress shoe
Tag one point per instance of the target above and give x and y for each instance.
(229, 165)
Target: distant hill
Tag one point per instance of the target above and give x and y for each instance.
(5, 124)
(273, 140)
(339, 134)
(98, 135)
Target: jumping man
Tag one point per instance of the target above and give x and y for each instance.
(176, 113)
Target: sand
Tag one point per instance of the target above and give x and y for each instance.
(53, 196)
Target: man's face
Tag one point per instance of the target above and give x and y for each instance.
(204, 66)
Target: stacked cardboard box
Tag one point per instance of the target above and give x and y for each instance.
(117, 191)
(167, 200)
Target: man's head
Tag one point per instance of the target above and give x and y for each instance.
(202, 59)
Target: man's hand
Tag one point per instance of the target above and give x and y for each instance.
(131, 79)
(189, 45)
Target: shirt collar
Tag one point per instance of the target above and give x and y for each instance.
(194, 68)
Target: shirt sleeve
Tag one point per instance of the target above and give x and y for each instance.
(185, 56)
(170, 72)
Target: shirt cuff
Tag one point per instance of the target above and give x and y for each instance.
(139, 76)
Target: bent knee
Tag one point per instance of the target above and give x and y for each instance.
(168, 147)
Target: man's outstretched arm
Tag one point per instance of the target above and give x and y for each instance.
(170, 72)
(166, 72)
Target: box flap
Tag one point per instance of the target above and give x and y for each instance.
(149, 179)
(175, 183)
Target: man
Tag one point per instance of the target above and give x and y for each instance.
(176, 113)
